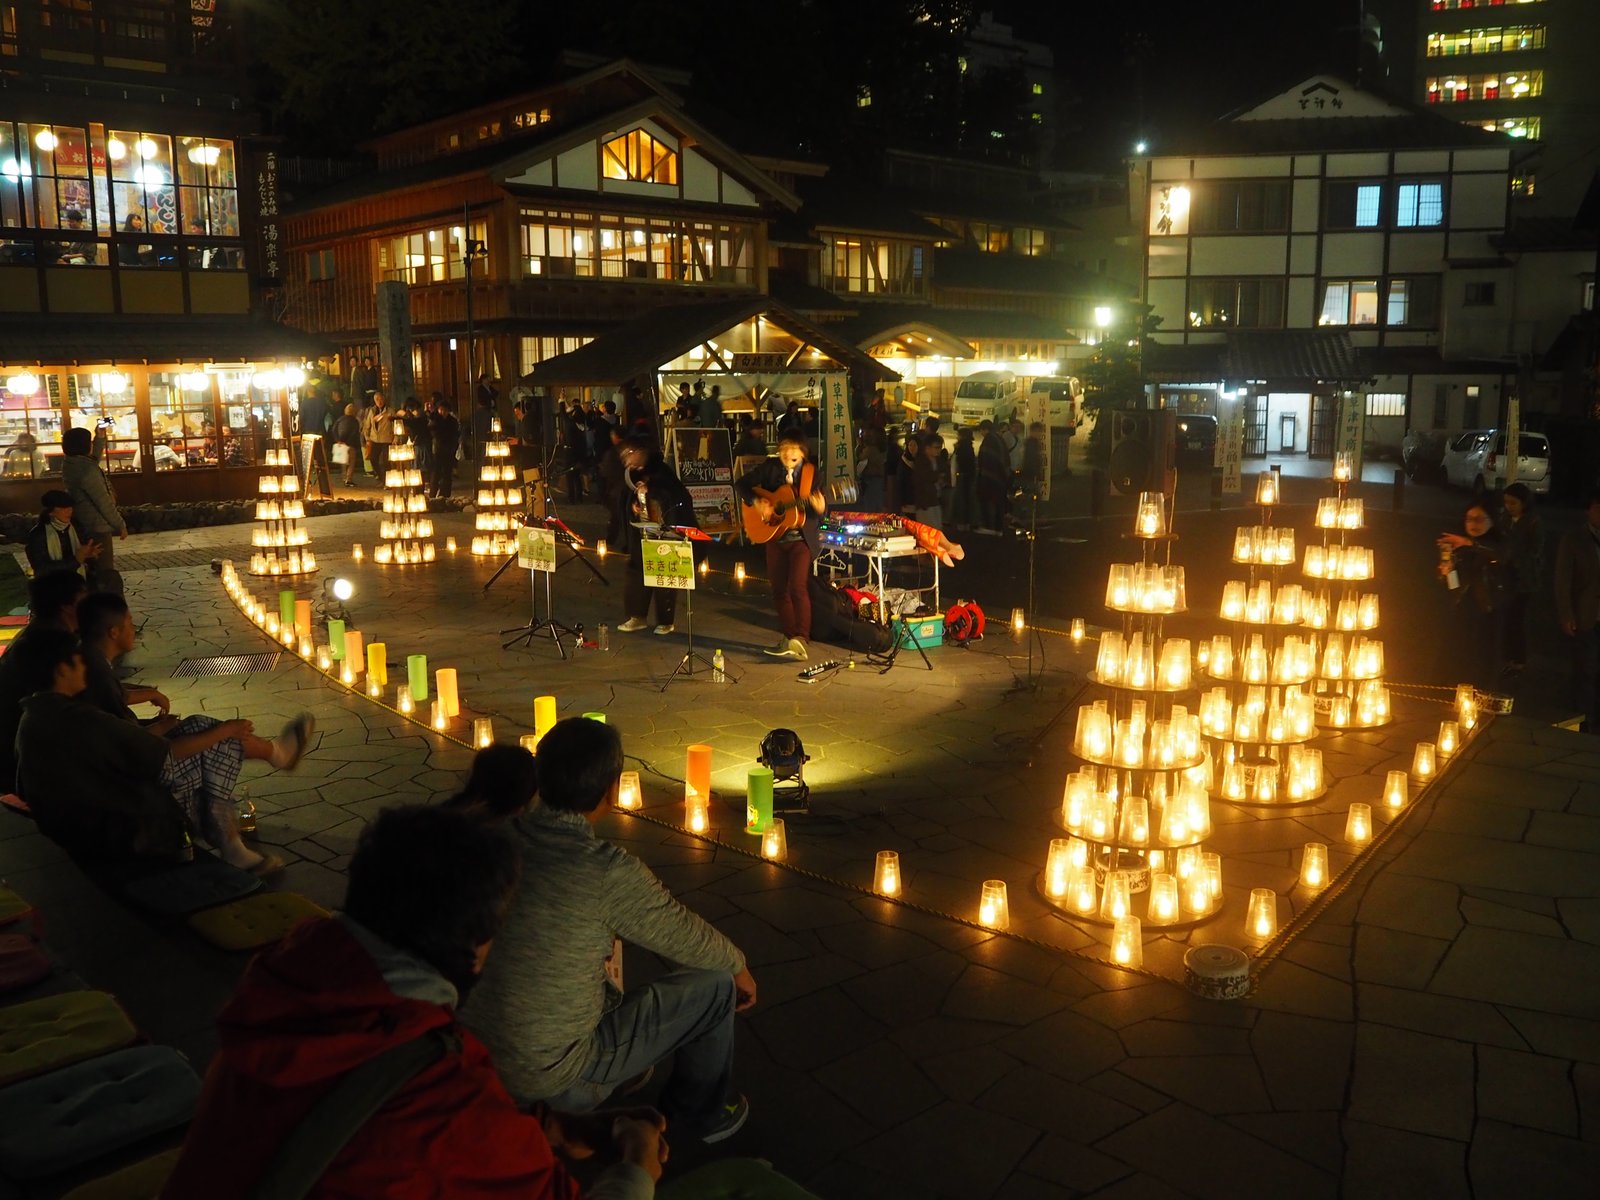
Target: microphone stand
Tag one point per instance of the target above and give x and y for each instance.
(1032, 536)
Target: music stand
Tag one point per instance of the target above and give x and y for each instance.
(536, 627)
(686, 664)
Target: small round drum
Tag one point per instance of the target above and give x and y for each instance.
(1217, 972)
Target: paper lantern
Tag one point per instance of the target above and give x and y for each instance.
(697, 773)
(886, 873)
(629, 796)
(482, 732)
(445, 682)
(1262, 919)
(775, 841)
(1314, 866)
(1163, 906)
(1127, 943)
(993, 911)
(1358, 824)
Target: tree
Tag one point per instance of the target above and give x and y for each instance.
(335, 72)
(1114, 377)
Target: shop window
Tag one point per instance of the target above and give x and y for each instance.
(247, 418)
(144, 198)
(1517, 127)
(639, 157)
(208, 186)
(1352, 205)
(1386, 404)
(30, 436)
(107, 401)
(183, 420)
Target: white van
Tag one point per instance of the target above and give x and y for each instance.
(1065, 396)
(987, 396)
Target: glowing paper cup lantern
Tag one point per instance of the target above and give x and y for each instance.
(1358, 825)
(1127, 943)
(1314, 866)
(775, 841)
(1396, 790)
(993, 910)
(482, 732)
(1058, 868)
(1262, 919)
(1424, 761)
(886, 873)
(629, 796)
(697, 774)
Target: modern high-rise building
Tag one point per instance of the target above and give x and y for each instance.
(1522, 67)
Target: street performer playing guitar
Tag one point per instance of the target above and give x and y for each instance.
(781, 506)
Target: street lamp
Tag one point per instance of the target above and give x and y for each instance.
(1102, 318)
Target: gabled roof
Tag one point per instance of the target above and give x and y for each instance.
(1328, 113)
(876, 322)
(510, 156)
(641, 346)
(864, 209)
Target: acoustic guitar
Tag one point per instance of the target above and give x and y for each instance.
(789, 509)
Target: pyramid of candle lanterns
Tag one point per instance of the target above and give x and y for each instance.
(1259, 717)
(406, 531)
(1137, 812)
(499, 498)
(280, 545)
(1349, 687)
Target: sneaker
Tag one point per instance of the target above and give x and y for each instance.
(633, 625)
(729, 1120)
(779, 650)
(797, 649)
(663, 630)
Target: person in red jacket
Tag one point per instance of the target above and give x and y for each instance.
(428, 888)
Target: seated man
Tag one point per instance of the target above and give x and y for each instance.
(558, 1031)
(427, 892)
(52, 606)
(102, 786)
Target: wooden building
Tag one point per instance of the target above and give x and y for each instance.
(138, 251)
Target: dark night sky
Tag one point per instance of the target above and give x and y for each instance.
(1200, 58)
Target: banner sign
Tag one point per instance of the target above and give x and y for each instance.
(1513, 453)
(1352, 428)
(837, 453)
(536, 548)
(667, 564)
(704, 459)
(1230, 449)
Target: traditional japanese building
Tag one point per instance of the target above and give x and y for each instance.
(139, 251)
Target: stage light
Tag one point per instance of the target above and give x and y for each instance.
(340, 589)
(785, 755)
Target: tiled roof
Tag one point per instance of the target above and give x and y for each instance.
(1168, 363)
(1297, 354)
(197, 339)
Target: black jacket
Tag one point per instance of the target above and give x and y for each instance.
(666, 493)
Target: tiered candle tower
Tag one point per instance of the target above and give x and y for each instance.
(1349, 688)
(406, 532)
(1258, 717)
(280, 546)
(499, 498)
(1137, 812)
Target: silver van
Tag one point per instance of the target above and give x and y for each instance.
(1476, 459)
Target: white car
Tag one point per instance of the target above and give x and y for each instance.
(1477, 460)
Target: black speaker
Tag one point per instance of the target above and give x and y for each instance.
(1143, 450)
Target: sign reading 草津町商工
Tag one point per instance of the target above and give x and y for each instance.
(667, 564)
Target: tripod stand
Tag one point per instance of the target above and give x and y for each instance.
(536, 627)
(1032, 683)
(686, 664)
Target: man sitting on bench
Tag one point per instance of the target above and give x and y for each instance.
(52, 605)
(107, 787)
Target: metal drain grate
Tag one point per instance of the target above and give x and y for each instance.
(227, 664)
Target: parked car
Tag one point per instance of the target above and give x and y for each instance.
(1477, 460)
(1422, 454)
(1196, 433)
(987, 396)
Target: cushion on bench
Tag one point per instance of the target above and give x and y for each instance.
(255, 921)
(204, 883)
(142, 1180)
(23, 962)
(56, 1031)
(72, 1116)
(13, 907)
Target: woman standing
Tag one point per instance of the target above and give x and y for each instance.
(347, 433)
(1525, 546)
(1476, 569)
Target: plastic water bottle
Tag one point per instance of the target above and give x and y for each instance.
(602, 636)
(719, 672)
(246, 808)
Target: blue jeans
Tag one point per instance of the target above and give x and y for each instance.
(688, 1014)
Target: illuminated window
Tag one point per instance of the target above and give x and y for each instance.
(874, 266)
(1411, 302)
(1524, 185)
(863, 97)
(639, 157)
(576, 245)
(1386, 404)
(1498, 40)
(1509, 85)
(1517, 127)
(1419, 205)
(30, 424)
(1038, 89)
(1352, 205)
(1452, 5)
(429, 255)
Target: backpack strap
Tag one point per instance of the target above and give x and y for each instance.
(309, 1150)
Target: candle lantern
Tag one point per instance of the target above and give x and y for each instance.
(738, 573)
(993, 911)
(1127, 942)
(482, 732)
(699, 815)
(1314, 866)
(402, 699)
(758, 800)
(697, 773)
(1358, 824)
(1396, 790)
(1058, 868)
(1449, 738)
(445, 681)
(629, 796)
(1423, 761)
(886, 873)
(775, 841)
(1262, 919)
(1079, 630)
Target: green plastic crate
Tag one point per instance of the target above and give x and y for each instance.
(925, 632)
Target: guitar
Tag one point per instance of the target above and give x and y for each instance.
(788, 509)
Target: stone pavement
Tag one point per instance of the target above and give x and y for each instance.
(1435, 1031)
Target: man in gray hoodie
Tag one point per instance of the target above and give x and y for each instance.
(94, 504)
(558, 1029)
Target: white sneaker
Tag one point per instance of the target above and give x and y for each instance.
(779, 650)
(633, 625)
(663, 630)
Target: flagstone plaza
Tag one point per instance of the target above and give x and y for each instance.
(1434, 1029)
